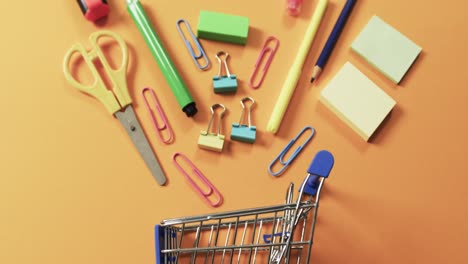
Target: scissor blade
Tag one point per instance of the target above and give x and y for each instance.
(130, 122)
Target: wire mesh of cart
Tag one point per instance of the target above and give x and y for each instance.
(272, 234)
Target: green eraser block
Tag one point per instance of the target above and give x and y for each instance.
(223, 27)
(386, 49)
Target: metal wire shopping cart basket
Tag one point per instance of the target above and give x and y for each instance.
(273, 234)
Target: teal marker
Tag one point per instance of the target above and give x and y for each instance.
(161, 56)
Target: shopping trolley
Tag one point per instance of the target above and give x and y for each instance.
(273, 234)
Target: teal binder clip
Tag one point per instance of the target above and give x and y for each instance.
(244, 133)
(224, 83)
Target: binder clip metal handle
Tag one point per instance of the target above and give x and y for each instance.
(280, 158)
(224, 83)
(241, 132)
(221, 62)
(221, 115)
(249, 110)
(213, 141)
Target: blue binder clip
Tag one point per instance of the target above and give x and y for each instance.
(244, 133)
(280, 157)
(224, 83)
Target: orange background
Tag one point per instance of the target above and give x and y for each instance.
(73, 189)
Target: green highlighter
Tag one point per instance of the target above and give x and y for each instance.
(161, 56)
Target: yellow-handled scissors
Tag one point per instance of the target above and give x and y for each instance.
(117, 100)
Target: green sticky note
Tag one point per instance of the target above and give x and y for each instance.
(357, 101)
(223, 27)
(386, 49)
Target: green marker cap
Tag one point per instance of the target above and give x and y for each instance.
(190, 109)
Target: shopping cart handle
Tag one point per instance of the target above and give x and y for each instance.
(322, 164)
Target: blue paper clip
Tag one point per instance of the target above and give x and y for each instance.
(280, 157)
(195, 55)
(244, 133)
(224, 83)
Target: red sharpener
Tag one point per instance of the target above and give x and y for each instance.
(94, 10)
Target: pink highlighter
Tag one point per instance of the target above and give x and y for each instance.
(294, 7)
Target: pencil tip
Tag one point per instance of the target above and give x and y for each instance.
(312, 80)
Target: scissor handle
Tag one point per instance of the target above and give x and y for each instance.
(113, 100)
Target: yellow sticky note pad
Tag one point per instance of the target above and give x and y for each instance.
(386, 49)
(357, 101)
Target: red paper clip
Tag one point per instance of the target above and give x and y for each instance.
(211, 190)
(165, 125)
(265, 50)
